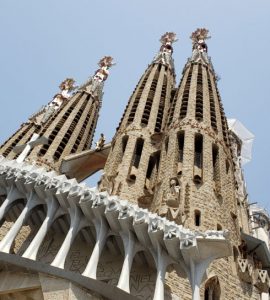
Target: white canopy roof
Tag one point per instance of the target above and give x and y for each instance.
(245, 136)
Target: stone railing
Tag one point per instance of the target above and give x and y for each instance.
(138, 229)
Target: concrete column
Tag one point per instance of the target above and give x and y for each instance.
(77, 222)
(12, 196)
(101, 234)
(130, 250)
(53, 212)
(162, 262)
(7, 241)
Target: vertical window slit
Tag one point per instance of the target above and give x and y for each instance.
(212, 104)
(161, 105)
(198, 158)
(199, 95)
(184, 104)
(137, 99)
(149, 100)
(197, 217)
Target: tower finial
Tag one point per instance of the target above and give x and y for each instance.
(95, 84)
(199, 46)
(165, 52)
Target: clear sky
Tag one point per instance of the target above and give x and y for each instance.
(43, 42)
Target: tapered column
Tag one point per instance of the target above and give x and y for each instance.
(162, 262)
(7, 241)
(53, 212)
(131, 248)
(101, 233)
(76, 224)
(12, 196)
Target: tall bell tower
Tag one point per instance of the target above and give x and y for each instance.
(133, 163)
(65, 126)
(196, 178)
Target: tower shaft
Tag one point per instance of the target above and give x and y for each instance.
(133, 163)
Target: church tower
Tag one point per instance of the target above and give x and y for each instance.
(132, 166)
(196, 178)
(196, 182)
(65, 126)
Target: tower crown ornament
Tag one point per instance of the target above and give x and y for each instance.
(198, 38)
(67, 86)
(95, 84)
(165, 52)
(105, 63)
(199, 46)
(167, 40)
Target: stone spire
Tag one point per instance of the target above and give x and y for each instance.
(197, 181)
(133, 162)
(66, 125)
(196, 169)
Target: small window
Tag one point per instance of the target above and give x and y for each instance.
(198, 160)
(166, 144)
(215, 162)
(197, 215)
(219, 227)
(227, 166)
(124, 143)
(181, 140)
(138, 152)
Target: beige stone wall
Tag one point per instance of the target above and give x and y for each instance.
(118, 169)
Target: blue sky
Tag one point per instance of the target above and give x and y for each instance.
(43, 42)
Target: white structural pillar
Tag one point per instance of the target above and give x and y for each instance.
(53, 212)
(8, 239)
(77, 222)
(162, 261)
(101, 228)
(198, 253)
(12, 196)
(196, 274)
(131, 248)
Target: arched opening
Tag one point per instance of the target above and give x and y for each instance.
(199, 95)
(197, 217)
(124, 143)
(143, 275)
(185, 97)
(111, 260)
(166, 144)
(10, 216)
(29, 229)
(198, 158)
(212, 289)
(219, 227)
(180, 140)
(136, 159)
(81, 250)
(54, 239)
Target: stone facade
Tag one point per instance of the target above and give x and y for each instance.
(171, 190)
(132, 166)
